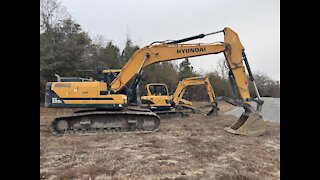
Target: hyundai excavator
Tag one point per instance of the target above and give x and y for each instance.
(159, 101)
(114, 106)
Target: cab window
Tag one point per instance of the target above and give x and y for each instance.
(158, 90)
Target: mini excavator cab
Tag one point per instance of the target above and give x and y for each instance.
(157, 89)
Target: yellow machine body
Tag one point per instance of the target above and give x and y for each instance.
(185, 102)
(111, 95)
(157, 97)
(85, 94)
(162, 100)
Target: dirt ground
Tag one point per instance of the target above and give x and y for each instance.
(196, 147)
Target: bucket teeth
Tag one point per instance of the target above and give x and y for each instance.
(252, 125)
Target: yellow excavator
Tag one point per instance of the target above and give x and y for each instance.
(159, 101)
(114, 106)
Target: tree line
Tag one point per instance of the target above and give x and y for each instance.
(67, 50)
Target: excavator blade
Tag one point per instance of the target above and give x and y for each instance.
(252, 125)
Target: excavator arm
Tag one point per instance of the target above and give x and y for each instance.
(183, 84)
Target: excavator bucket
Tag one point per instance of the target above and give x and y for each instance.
(252, 125)
(214, 111)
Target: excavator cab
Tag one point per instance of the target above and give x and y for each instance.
(157, 89)
(157, 97)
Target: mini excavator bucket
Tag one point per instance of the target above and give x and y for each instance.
(250, 122)
(214, 110)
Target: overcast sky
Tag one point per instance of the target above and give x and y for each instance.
(256, 22)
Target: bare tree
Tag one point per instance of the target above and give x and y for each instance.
(222, 69)
(51, 12)
(266, 85)
(99, 40)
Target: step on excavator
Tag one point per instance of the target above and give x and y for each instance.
(114, 106)
(164, 105)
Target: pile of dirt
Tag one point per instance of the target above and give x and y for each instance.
(270, 109)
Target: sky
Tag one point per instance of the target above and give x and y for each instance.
(256, 22)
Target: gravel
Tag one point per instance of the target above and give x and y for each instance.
(270, 109)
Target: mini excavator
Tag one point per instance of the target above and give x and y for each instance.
(159, 101)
